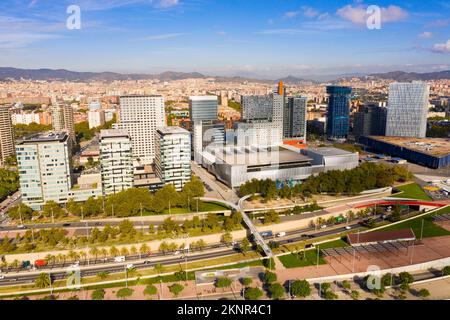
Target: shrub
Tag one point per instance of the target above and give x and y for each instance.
(98, 294)
(150, 290)
(246, 281)
(300, 288)
(253, 293)
(124, 293)
(176, 289)
(269, 277)
(276, 291)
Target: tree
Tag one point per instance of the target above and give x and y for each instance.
(43, 281)
(98, 294)
(269, 277)
(124, 293)
(176, 289)
(52, 209)
(150, 290)
(246, 281)
(271, 216)
(423, 293)
(20, 211)
(330, 295)
(446, 271)
(355, 294)
(276, 291)
(300, 288)
(103, 275)
(159, 268)
(73, 208)
(144, 249)
(244, 245)
(253, 293)
(226, 238)
(223, 282)
(405, 279)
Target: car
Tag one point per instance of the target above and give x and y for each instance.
(21, 226)
(75, 265)
(176, 253)
(146, 261)
(119, 259)
(130, 266)
(66, 224)
(281, 234)
(323, 226)
(2, 277)
(348, 227)
(310, 245)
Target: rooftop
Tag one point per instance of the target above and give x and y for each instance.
(113, 133)
(171, 130)
(45, 137)
(432, 146)
(203, 98)
(329, 151)
(257, 155)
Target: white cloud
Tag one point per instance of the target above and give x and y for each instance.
(426, 35)
(310, 12)
(291, 14)
(167, 3)
(162, 36)
(442, 47)
(358, 14)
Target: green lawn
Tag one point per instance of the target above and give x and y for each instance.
(295, 260)
(202, 207)
(430, 229)
(412, 191)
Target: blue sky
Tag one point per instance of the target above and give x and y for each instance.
(265, 38)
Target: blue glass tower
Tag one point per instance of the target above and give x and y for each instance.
(338, 112)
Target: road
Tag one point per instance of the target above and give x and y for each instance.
(151, 261)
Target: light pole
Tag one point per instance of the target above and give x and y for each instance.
(421, 231)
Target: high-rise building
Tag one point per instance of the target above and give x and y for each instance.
(6, 134)
(173, 156)
(62, 119)
(96, 118)
(203, 108)
(44, 168)
(140, 116)
(370, 120)
(206, 133)
(294, 124)
(116, 161)
(407, 110)
(338, 112)
(257, 107)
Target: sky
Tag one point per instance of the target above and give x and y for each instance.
(261, 38)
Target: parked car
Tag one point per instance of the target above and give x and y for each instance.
(281, 234)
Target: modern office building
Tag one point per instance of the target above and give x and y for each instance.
(116, 161)
(258, 133)
(173, 156)
(235, 165)
(206, 133)
(407, 110)
(140, 116)
(263, 107)
(45, 171)
(6, 135)
(370, 120)
(203, 108)
(62, 119)
(338, 112)
(429, 152)
(96, 118)
(294, 124)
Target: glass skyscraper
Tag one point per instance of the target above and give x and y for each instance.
(407, 110)
(203, 108)
(338, 112)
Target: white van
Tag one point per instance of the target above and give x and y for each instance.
(119, 259)
(281, 234)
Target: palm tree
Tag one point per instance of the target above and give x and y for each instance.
(72, 255)
(133, 250)
(104, 252)
(124, 251)
(113, 251)
(60, 257)
(159, 268)
(94, 252)
(43, 280)
(144, 249)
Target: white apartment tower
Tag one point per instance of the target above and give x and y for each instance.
(173, 156)
(62, 119)
(116, 161)
(407, 110)
(140, 116)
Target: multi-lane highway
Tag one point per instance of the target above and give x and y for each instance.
(22, 276)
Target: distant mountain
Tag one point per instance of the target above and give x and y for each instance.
(62, 74)
(291, 79)
(412, 76)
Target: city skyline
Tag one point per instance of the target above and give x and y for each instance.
(267, 40)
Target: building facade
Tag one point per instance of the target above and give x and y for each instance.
(140, 116)
(338, 112)
(173, 156)
(206, 133)
(294, 124)
(63, 120)
(407, 110)
(203, 108)
(370, 120)
(6, 134)
(116, 161)
(96, 118)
